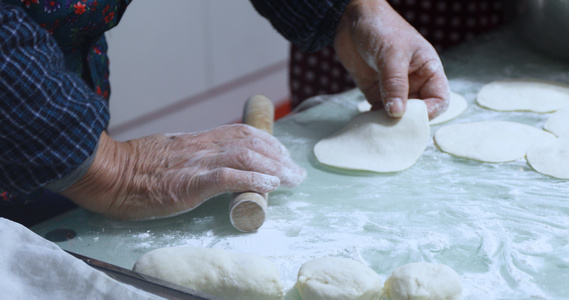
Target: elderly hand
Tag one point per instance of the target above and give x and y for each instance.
(389, 60)
(163, 175)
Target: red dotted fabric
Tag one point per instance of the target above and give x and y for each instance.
(443, 23)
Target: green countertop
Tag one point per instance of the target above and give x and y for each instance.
(502, 227)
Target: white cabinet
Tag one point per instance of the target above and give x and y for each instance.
(185, 65)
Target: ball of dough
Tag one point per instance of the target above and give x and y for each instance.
(422, 281)
(334, 278)
(221, 273)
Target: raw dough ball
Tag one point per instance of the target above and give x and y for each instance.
(423, 281)
(374, 141)
(218, 272)
(524, 95)
(558, 123)
(490, 141)
(457, 105)
(551, 158)
(331, 278)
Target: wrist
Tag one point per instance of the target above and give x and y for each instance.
(100, 188)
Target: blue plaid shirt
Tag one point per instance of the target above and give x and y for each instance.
(50, 119)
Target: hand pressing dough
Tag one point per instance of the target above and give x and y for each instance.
(551, 158)
(218, 272)
(334, 278)
(558, 123)
(490, 141)
(457, 105)
(524, 95)
(373, 141)
(422, 281)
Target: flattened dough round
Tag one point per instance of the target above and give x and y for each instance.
(334, 278)
(558, 123)
(524, 95)
(551, 158)
(373, 141)
(489, 141)
(457, 105)
(419, 281)
(221, 273)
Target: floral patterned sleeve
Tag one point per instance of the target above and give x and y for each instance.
(309, 24)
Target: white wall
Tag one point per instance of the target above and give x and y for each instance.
(190, 65)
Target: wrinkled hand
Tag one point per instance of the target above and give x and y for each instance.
(389, 60)
(162, 175)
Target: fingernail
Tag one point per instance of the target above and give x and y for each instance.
(394, 107)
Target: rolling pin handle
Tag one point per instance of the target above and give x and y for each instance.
(247, 210)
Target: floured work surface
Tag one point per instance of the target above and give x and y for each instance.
(502, 227)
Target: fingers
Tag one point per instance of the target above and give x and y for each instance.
(394, 83)
(227, 180)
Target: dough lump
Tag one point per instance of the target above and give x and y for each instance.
(490, 141)
(551, 158)
(335, 278)
(558, 123)
(524, 95)
(373, 141)
(422, 281)
(221, 273)
(457, 105)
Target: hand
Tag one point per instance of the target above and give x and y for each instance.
(162, 175)
(389, 60)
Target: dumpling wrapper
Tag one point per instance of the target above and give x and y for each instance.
(490, 141)
(374, 141)
(457, 105)
(524, 95)
(558, 123)
(551, 158)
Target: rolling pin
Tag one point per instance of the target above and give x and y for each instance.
(247, 210)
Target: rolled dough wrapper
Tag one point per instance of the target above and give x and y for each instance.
(335, 278)
(457, 105)
(373, 141)
(221, 273)
(558, 123)
(524, 95)
(421, 281)
(490, 141)
(551, 158)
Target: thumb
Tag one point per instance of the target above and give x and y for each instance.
(394, 85)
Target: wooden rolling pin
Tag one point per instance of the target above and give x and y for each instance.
(247, 210)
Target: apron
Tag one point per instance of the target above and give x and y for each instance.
(78, 26)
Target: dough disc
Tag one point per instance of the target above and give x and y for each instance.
(524, 95)
(373, 141)
(418, 281)
(221, 273)
(489, 141)
(551, 158)
(334, 278)
(457, 105)
(558, 123)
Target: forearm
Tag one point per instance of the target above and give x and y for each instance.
(310, 25)
(51, 120)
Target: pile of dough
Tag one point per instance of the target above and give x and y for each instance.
(558, 123)
(524, 95)
(218, 272)
(334, 278)
(422, 280)
(551, 158)
(490, 141)
(373, 141)
(457, 105)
